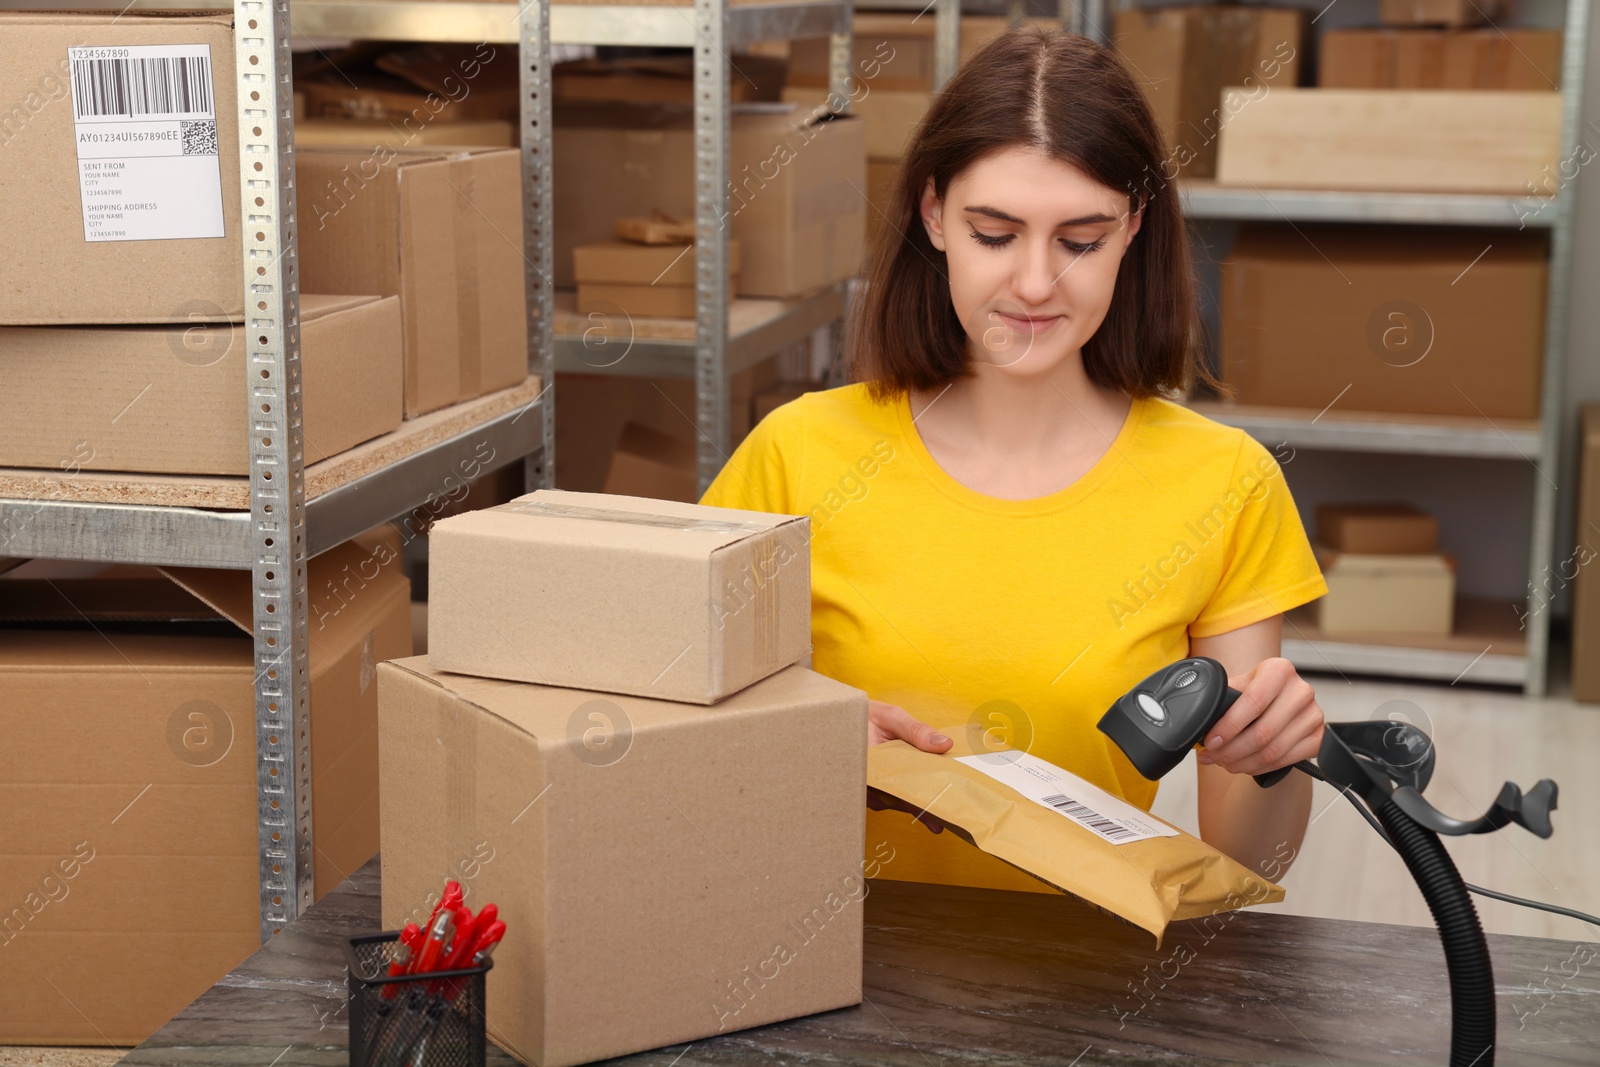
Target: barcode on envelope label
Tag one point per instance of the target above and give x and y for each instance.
(141, 87)
(1088, 818)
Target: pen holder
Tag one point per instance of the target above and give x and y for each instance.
(412, 1020)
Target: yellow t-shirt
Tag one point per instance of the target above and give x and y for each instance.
(1025, 618)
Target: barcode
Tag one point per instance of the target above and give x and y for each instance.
(158, 85)
(1087, 816)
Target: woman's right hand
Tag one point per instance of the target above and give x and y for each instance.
(887, 722)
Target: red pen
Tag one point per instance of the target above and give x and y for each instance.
(410, 942)
(467, 937)
(433, 947)
(482, 950)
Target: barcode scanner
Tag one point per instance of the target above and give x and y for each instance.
(1382, 767)
(1159, 720)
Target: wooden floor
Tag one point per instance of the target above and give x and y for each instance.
(1484, 736)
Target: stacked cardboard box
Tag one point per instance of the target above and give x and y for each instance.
(641, 280)
(611, 711)
(130, 876)
(411, 87)
(1183, 57)
(442, 230)
(793, 200)
(1432, 323)
(1575, 568)
(1428, 58)
(1384, 570)
(122, 336)
(663, 79)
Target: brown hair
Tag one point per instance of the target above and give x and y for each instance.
(1072, 98)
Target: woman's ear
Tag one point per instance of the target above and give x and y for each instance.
(1136, 215)
(933, 215)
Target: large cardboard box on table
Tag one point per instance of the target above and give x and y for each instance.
(793, 199)
(1440, 59)
(619, 593)
(658, 880)
(130, 875)
(170, 399)
(1421, 323)
(1407, 140)
(1183, 57)
(442, 230)
(108, 216)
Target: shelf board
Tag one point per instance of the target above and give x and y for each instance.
(1486, 645)
(1379, 431)
(1203, 198)
(204, 521)
(673, 24)
(664, 348)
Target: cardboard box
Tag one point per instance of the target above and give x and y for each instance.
(891, 50)
(1385, 529)
(411, 85)
(165, 227)
(1586, 587)
(643, 854)
(1417, 140)
(1182, 57)
(793, 204)
(641, 280)
(1369, 593)
(1439, 12)
(653, 464)
(880, 196)
(133, 881)
(1440, 59)
(619, 594)
(891, 115)
(172, 399)
(370, 133)
(443, 231)
(662, 79)
(1385, 321)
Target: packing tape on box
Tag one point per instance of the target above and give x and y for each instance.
(551, 509)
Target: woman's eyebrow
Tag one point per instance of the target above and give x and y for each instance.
(1082, 220)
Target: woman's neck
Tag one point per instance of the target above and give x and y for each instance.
(1020, 438)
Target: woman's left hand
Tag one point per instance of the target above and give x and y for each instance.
(1275, 722)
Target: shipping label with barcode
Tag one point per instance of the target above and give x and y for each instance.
(1065, 793)
(145, 119)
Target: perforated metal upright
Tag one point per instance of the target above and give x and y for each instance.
(277, 459)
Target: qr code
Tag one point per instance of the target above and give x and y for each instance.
(199, 137)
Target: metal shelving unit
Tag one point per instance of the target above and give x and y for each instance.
(713, 29)
(1534, 441)
(282, 530)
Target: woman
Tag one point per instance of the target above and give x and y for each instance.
(1011, 524)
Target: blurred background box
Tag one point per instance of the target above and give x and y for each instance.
(662, 79)
(641, 280)
(431, 226)
(54, 273)
(650, 463)
(794, 205)
(1440, 59)
(891, 50)
(1586, 585)
(154, 669)
(1416, 140)
(1424, 322)
(1183, 57)
(369, 133)
(891, 116)
(1387, 528)
(1440, 12)
(413, 85)
(166, 399)
(1375, 593)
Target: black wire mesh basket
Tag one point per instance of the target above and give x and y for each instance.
(412, 1020)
